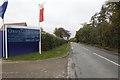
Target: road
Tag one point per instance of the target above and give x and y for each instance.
(91, 62)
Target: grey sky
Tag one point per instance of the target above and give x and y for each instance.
(68, 14)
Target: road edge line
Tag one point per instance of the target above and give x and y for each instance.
(106, 59)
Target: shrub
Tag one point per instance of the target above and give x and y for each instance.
(50, 41)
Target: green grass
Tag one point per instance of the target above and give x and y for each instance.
(106, 48)
(56, 52)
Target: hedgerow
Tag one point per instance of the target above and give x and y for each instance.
(50, 41)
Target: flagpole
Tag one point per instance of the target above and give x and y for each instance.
(40, 6)
(3, 38)
(6, 42)
(2, 12)
(5, 48)
(40, 31)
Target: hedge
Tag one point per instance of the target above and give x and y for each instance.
(50, 41)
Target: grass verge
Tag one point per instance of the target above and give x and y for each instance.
(56, 52)
(102, 47)
(106, 48)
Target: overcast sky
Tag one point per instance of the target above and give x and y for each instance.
(69, 14)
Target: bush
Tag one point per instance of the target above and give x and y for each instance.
(50, 41)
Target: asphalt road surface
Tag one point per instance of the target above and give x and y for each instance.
(91, 62)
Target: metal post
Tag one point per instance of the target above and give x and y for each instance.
(3, 38)
(40, 27)
(40, 31)
(6, 41)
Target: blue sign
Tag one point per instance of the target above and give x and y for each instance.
(23, 35)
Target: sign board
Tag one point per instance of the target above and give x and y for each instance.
(23, 35)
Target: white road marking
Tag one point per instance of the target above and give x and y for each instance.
(106, 59)
(85, 48)
(72, 48)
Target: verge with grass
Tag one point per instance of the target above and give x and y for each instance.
(56, 52)
(115, 50)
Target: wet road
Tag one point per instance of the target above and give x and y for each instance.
(90, 62)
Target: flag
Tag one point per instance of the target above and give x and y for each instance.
(3, 8)
(41, 15)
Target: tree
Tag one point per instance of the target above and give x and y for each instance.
(94, 20)
(114, 9)
(62, 33)
(86, 34)
(104, 27)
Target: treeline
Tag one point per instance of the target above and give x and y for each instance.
(104, 27)
(50, 41)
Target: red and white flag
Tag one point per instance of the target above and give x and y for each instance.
(41, 15)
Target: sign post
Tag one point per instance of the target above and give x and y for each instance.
(6, 43)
